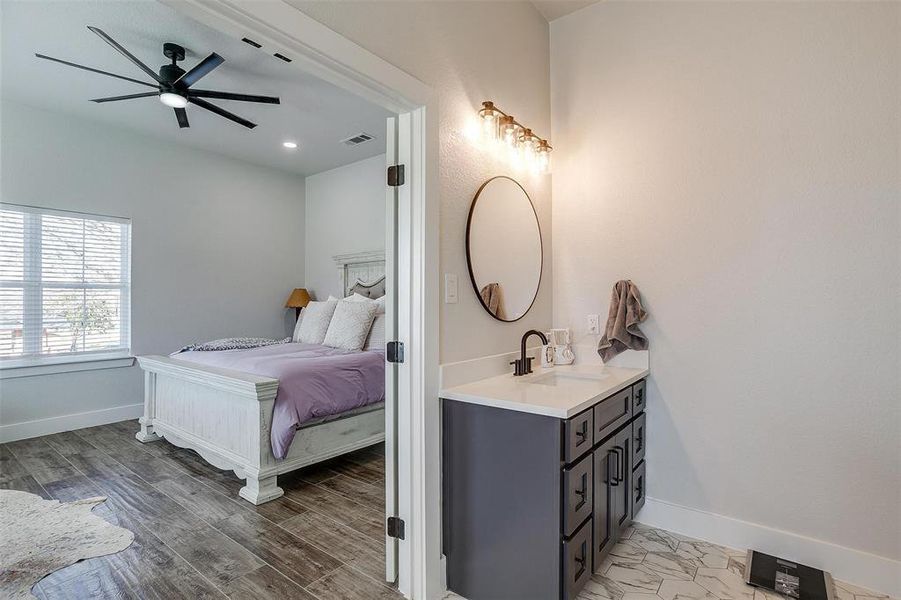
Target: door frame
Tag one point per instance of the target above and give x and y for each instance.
(318, 50)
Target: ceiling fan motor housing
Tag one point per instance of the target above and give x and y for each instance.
(170, 73)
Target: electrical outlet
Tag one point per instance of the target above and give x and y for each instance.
(594, 325)
(450, 288)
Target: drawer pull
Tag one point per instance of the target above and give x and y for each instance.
(580, 560)
(639, 439)
(582, 433)
(581, 492)
(639, 488)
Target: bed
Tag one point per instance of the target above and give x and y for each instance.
(226, 414)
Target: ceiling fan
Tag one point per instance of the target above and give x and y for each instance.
(173, 83)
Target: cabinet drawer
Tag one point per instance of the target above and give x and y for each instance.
(611, 413)
(638, 488)
(577, 436)
(576, 562)
(577, 494)
(639, 397)
(639, 438)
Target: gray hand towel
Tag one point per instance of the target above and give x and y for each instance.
(622, 332)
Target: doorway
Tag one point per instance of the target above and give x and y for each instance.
(412, 427)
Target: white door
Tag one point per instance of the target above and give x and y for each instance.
(398, 392)
(391, 307)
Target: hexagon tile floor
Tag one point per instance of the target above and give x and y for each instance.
(653, 564)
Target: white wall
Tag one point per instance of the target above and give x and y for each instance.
(740, 163)
(216, 244)
(345, 212)
(467, 52)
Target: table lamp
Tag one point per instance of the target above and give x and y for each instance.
(298, 299)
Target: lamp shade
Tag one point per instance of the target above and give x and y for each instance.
(299, 298)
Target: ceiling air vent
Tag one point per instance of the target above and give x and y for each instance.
(251, 42)
(360, 138)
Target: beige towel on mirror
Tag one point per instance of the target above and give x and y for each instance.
(491, 296)
(622, 332)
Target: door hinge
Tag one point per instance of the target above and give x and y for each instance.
(395, 175)
(395, 351)
(396, 527)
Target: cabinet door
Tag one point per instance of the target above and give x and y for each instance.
(605, 485)
(622, 469)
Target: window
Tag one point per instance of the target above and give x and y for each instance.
(64, 285)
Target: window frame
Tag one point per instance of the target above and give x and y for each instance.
(32, 361)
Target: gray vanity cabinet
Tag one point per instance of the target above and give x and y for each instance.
(532, 504)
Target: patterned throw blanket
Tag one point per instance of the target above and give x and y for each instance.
(236, 343)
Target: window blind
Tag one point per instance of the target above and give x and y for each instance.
(65, 285)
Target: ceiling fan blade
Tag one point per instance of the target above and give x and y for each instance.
(128, 97)
(92, 70)
(201, 69)
(231, 96)
(222, 113)
(126, 53)
(182, 116)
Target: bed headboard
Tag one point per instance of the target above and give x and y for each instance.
(362, 272)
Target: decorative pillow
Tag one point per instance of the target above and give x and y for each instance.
(315, 322)
(376, 339)
(379, 302)
(295, 337)
(350, 325)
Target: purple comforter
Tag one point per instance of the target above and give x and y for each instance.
(313, 381)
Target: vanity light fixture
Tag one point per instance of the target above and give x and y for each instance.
(498, 125)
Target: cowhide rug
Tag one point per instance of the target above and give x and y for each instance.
(38, 537)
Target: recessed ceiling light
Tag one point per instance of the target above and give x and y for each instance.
(290, 145)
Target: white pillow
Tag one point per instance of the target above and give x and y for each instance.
(379, 302)
(376, 339)
(350, 325)
(296, 336)
(315, 322)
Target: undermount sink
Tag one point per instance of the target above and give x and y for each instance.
(556, 378)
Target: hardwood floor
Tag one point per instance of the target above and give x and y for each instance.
(194, 538)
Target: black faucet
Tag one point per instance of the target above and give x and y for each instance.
(523, 365)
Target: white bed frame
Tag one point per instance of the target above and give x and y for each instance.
(226, 416)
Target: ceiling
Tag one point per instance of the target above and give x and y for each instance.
(554, 9)
(315, 114)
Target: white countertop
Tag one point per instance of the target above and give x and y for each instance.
(561, 392)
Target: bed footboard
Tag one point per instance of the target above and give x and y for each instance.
(226, 417)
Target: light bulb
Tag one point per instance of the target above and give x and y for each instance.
(290, 145)
(173, 100)
(488, 116)
(508, 130)
(543, 157)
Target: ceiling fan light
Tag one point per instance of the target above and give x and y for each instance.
(173, 100)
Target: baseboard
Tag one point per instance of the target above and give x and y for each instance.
(30, 429)
(853, 566)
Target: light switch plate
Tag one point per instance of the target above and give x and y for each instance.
(450, 288)
(593, 324)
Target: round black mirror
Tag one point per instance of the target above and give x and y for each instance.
(503, 249)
